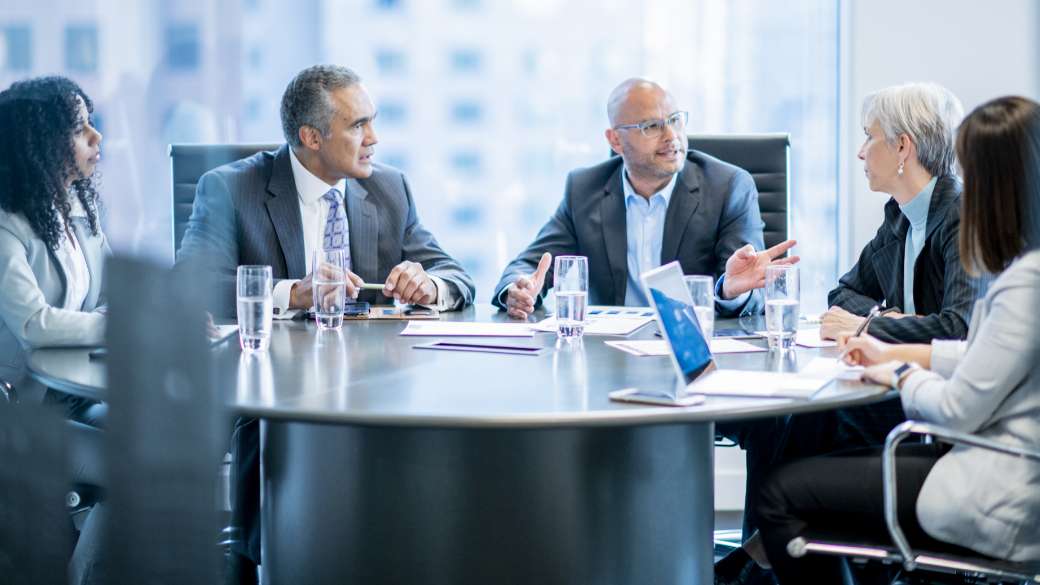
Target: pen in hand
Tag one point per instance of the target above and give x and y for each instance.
(874, 312)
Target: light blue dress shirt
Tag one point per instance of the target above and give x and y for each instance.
(644, 224)
(916, 211)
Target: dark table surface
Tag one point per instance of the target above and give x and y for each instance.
(367, 373)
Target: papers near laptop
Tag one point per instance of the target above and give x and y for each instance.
(808, 338)
(659, 347)
(600, 325)
(831, 368)
(467, 329)
(757, 384)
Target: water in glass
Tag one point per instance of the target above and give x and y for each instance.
(254, 322)
(781, 322)
(570, 313)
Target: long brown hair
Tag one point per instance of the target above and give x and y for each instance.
(998, 146)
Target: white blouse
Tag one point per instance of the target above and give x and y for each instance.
(70, 254)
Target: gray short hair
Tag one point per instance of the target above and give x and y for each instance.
(926, 112)
(306, 99)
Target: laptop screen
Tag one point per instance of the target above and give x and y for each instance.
(683, 333)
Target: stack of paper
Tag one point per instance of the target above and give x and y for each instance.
(606, 325)
(808, 338)
(831, 368)
(757, 384)
(659, 347)
(466, 329)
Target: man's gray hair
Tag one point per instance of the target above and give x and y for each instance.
(926, 112)
(306, 99)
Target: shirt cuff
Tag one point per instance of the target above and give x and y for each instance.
(280, 299)
(731, 305)
(946, 354)
(445, 295)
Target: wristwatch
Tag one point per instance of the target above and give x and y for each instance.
(897, 374)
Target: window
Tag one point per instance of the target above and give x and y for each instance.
(465, 61)
(394, 158)
(389, 4)
(182, 47)
(466, 112)
(467, 163)
(390, 62)
(16, 51)
(392, 113)
(81, 48)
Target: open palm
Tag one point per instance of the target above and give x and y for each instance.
(746, 269)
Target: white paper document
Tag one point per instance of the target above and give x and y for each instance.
(830, 368)
(613, 325)
(757, 384)
(466, 329)
(609, 311)
(808, 338)
(659, 347)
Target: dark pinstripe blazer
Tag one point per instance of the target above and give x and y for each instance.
(248, 212)
(944, 294)
(713, 211)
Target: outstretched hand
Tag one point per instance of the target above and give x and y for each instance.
(521, 295)
(746, 269)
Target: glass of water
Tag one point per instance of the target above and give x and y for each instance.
(255, 307)
(329, 284)
(702, 290)
(781, 306)
(571, 283)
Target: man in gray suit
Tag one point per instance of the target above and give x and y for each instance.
(322, 190)
(653, 204)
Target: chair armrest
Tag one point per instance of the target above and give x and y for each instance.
(7, 392)
(888, 465)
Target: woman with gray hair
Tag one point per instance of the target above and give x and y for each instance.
(912, 266)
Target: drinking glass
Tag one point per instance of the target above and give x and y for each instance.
(702, 290)
(329, 284)
(781, 306)
(571, 283)
(255, 307)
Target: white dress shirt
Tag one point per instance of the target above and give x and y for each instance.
(70, 254)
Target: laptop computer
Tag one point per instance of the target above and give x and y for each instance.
(691, 358)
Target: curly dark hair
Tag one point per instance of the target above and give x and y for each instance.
(38, 120)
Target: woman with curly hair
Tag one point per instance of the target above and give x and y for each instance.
(51, 246)
(52, 253)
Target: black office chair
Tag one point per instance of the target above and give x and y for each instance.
(973, 569)
(768, 158)
(188, 162)
(166, 430)
(35, 532)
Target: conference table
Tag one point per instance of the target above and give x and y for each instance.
(381, 462)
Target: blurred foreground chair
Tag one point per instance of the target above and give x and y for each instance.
(921, 565)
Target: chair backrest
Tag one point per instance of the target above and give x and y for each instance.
(35, 531)
(165, 429)
(767, 157)
(188, 162)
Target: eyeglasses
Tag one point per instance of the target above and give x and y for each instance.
(654, 128)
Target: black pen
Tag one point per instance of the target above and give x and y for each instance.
(874, 312)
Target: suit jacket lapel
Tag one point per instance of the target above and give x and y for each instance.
(686, 197)
(92, 255)
(615, 235)
(363, 225)
(283, 206)
(888, 262)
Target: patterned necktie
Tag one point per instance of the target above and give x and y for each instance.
(336, 235)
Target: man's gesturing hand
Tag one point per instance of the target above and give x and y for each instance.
(521, 295)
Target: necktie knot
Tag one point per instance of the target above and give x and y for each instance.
(332, 196)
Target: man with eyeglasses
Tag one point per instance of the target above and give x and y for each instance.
(655, 203)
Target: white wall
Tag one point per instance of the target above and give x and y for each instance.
(979, 50)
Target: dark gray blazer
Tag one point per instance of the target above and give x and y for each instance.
(943, 293)
(248, 212)
(713, 211)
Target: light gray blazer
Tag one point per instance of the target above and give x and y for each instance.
(33, 282)
(248, 212)
(988, 386)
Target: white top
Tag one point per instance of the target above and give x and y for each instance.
(70, 254)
